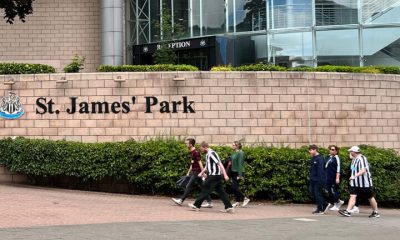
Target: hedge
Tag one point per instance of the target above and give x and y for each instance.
(327, 68)
(153, 167)
(147, 68)
(25, 68)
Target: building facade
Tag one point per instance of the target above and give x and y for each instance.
(207, 32)
(284, 32)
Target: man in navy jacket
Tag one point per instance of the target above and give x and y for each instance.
(317, 179)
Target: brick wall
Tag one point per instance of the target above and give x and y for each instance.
(54, 33)
(258, 107)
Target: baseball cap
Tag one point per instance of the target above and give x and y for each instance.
(354, 149)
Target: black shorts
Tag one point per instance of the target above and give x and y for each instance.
(362, 192)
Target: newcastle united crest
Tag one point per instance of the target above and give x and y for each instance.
(10, 107)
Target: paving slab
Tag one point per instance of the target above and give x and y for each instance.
(28, 212)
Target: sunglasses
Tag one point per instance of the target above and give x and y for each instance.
(332, 149)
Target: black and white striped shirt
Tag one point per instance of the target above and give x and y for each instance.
(357, 164)
(212, 160)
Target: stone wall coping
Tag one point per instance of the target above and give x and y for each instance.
(195, 75)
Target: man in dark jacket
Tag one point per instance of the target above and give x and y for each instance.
(317, 179)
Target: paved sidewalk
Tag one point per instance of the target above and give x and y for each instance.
(42, 213)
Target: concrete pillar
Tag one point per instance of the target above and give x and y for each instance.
(111, 32)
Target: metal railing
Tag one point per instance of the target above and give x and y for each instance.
(372, 9)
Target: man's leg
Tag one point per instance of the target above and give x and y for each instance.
(351, 203)
(206, 189)
(319, 199)
(222, 194)
(189, 187)
(373, 204)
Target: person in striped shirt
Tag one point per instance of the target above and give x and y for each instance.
(360, 183)
(214, 169)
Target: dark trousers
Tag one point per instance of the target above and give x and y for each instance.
(333, 190)
(316, 191)
(235, 187)
(213, 182)
(189, 187)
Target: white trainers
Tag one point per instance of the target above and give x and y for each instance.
(193, 207)
(355, 210)
(236, 204)
(228, 210)
(207, 205)
(178, 201)
(334, 208)
(339, 203)
(245, 202)
(327, 207)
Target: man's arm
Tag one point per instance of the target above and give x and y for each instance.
(190, 169)
(223, 170)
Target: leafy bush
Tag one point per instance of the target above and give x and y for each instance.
(25, 68)
(222, 68)
(76, 64)
(147, 68)
(259, 67)
(152, 167)
(326, 68)
(388, 69)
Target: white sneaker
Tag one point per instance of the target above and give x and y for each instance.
(355, 210)
(178, 201)
(327, 207)
(334, 208)
(228, 210)
(236, 204)
(207, 205)
(193, 207)
(245, 202)
(339, 203)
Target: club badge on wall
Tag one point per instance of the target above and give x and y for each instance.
(10, 107)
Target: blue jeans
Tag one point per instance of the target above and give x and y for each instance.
(189, 187)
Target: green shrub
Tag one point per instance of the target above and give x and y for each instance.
(222, 68)
(388, 69)
(259, 67)
(153, 167)
(147, 68)
(76, 64)
(25, 68)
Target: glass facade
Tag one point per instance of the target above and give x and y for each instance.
(283, 32)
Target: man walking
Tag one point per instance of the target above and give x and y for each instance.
(195, 168)
(317, 179)
(214, 169)
(360, 183)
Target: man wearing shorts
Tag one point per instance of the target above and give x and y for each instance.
(360, 183)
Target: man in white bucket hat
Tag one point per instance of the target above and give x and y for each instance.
(360, 183)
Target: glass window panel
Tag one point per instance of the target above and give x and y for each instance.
(291, 13)
(213, 17)
(291, 49)
(181, 18)
(336, 12)
(338, 47)
(381, 46)
(196, 17)
(384, 11)
(250, 15)
(154, 18)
